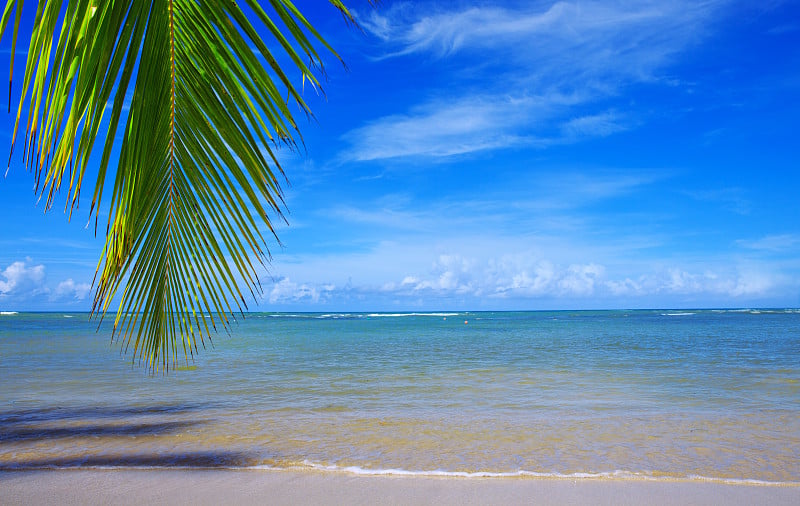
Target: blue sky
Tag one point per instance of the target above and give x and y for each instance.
(512, 155)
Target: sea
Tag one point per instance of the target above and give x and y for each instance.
(709, 395)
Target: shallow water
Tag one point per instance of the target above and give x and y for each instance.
(676, 394)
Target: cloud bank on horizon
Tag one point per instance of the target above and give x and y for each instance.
(521, 155)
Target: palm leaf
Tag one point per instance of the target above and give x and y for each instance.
(201, 102)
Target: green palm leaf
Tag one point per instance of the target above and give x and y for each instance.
(201, 101)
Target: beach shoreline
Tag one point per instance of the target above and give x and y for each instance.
(607, 407)
(215, 486)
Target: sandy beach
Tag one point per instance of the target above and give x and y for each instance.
(200, 487)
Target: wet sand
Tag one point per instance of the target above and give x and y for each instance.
(213, 487)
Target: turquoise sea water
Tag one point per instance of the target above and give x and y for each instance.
(707, 394)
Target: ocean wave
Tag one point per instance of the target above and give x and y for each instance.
(608, 475)
(336, 316)
(677, 314)
(8, 313)
(314, 316)
(400, 315)
(440, 473)
(618, 475)
(760, 311)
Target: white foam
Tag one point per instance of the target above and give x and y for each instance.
(8, 313)
(334, 316)
(677, 314)
(437, 473)
(609, 475)
(405, 472)
(400, 315)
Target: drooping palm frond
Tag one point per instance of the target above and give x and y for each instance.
(200, 98)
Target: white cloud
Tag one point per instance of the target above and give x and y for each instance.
(22, 280)
(526, 277)
(451, 273)
(69, 290)
(528, 76)
(753, 283)
(624, 287)
(284, 290)
(580, 279)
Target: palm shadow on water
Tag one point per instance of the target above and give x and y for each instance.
(26, 436)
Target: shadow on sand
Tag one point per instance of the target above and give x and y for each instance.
(28, 436)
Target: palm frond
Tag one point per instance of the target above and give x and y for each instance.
(201, 100)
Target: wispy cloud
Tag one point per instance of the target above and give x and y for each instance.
(528, 76)
(552, 201)
(733, 199)
(784, 29)
(774, 243)
(595, 125)
(440, 129)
